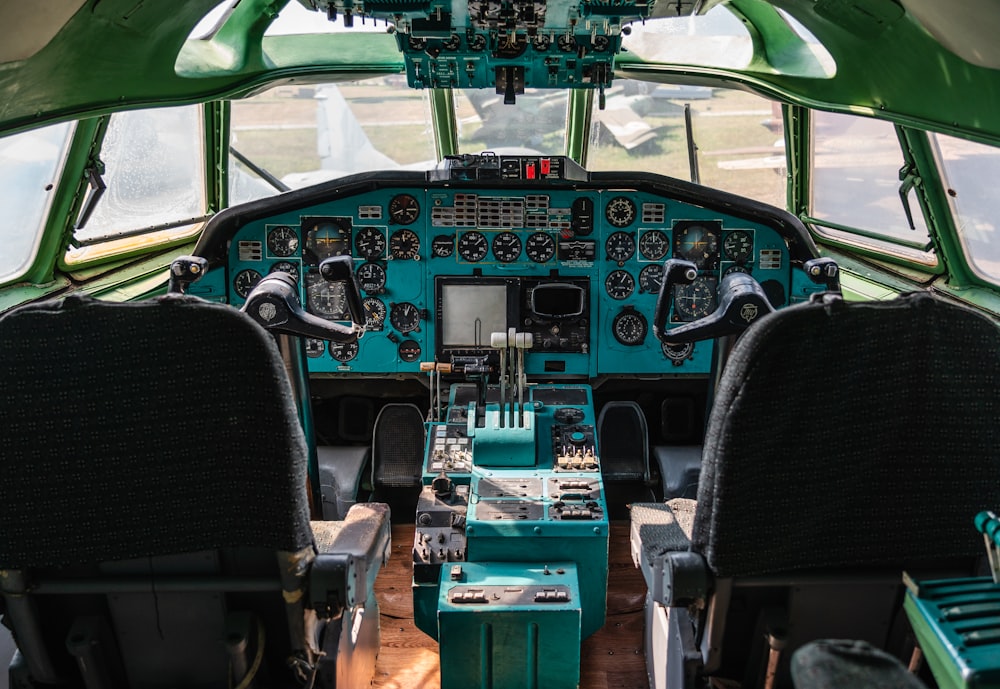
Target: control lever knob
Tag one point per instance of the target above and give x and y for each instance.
(183, 271)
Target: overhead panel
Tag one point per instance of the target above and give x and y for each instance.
(507, 45)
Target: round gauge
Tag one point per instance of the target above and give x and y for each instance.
(328, 238)
(404, 245)
(654, 245)
(369, 243)
(325, 299)
(443, 245)
(371, 278)
(738, 245)
(417, 43)
(599, 43)
(286, 267)
(344, 351)
(696, 243)
(540, 247)
(650, 279)
(403, 209)
(541, 42)
(677, 353)
(476, 44)
(629, 327)
(472, 246)
(696, 300)
(404, 317)
(566, 42)
(409, 350)
(620, 211)
(619, 284)
(452, 43)
(736, 269)
(506, 247)
(374, 313)
(620, 247)
(282, 241)
(315, 347)
(245, 281)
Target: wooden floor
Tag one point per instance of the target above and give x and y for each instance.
(611, 658)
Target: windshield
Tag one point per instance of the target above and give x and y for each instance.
(29, 169)
(738, 137)
(302, 135)
(535, 124)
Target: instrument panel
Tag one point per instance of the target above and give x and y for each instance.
(536, 244)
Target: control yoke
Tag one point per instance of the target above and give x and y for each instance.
(274, 303)
(741, 302)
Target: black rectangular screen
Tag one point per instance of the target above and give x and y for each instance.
(558, 300)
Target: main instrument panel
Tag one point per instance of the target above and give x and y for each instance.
(489, 243)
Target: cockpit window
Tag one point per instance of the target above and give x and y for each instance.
(714, 39)
(154, 171)
(738, 136)
(535, 123)
(859, 194)
(30, 163)
(302, 135)
(969, 172)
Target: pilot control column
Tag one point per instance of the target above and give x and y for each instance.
(510, 550)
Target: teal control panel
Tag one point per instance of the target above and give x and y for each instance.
(490, 243)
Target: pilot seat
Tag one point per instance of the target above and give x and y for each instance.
(155, 518)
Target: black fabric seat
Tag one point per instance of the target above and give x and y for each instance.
(846, 443)
(154, 500)
(398, 448)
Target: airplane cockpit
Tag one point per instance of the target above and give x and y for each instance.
(499, 344)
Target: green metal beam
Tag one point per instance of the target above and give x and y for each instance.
(445, 125)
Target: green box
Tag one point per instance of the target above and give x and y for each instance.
(510, 626)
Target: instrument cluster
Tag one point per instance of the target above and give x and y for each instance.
(609, 233)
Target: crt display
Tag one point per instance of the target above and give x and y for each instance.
(557, 300)
(470, 313)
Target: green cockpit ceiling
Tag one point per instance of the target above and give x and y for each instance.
(71, 58)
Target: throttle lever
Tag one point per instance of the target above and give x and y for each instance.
(274, 304)
(675, 272)
(341, 269)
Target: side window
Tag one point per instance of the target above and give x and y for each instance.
(739, 137)
(154, 171)
(969, 171)
(856, 184)
(30, 165)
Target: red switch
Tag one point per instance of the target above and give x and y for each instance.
(545, 165)
(529, 171)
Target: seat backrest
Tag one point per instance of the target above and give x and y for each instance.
(158, 436)
(624, 442)
(398, 447)
(852, 435)
(847, 442)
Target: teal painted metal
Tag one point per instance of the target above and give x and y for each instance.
(510, 626)
(957, 624)
(498, 444)
(538, 506)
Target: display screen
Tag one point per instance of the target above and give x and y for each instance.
(471, 313)
(557, 300)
